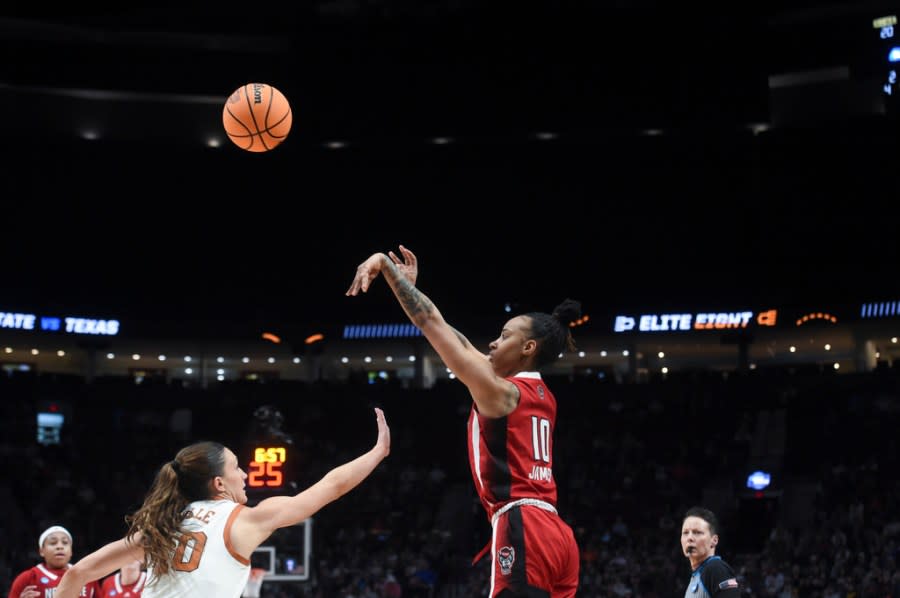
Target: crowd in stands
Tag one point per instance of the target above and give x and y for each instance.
(630, 459)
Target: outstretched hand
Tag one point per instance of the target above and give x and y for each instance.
(369, 270)
(408, 266)
(384, 432)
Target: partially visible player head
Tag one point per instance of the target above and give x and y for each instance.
(534, 340)
(201, 471)
(55, 546)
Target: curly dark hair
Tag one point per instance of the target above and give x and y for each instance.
(552, 331)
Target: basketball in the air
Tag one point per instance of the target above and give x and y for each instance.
(257, 117)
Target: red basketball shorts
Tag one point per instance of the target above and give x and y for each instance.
(534, 554)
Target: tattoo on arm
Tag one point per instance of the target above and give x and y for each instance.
(414, 302)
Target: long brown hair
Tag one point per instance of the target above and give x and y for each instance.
(178, 483)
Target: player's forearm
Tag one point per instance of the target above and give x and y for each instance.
(71, 584)
(449, 342)
(98, 564)
(455, 350)
(418, 307)
(346, 477)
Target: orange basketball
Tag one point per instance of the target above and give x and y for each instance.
(257, 117)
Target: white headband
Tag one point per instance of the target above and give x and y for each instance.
(50, 530)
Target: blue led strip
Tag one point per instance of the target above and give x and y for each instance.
(880, 310)
(352, 331)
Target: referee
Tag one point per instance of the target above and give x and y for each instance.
(710, 575)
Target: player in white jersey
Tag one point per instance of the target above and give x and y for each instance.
(203, 566)
(195, 532)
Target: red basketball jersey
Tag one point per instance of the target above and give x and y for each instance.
(113, 587)
(512, 457)
(46, 580)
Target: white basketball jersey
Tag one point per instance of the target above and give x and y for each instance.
(204, 564)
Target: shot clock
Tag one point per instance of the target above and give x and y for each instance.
(269, 468)
(269, 455)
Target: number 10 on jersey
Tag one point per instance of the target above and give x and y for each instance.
(266, 468)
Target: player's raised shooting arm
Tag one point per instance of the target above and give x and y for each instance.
(494, 396)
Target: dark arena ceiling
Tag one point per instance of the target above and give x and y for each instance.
(388, 69)
(629, 153)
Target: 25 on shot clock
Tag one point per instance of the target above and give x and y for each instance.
(269, 467)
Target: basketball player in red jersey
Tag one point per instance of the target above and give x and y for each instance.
(510, 430)
(40, 581)
(128, 582)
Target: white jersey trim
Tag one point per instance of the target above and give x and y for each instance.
(532, 375)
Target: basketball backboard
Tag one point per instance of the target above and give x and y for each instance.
(286, 554)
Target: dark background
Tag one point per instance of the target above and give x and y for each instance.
(654, 194)
(147, 224)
